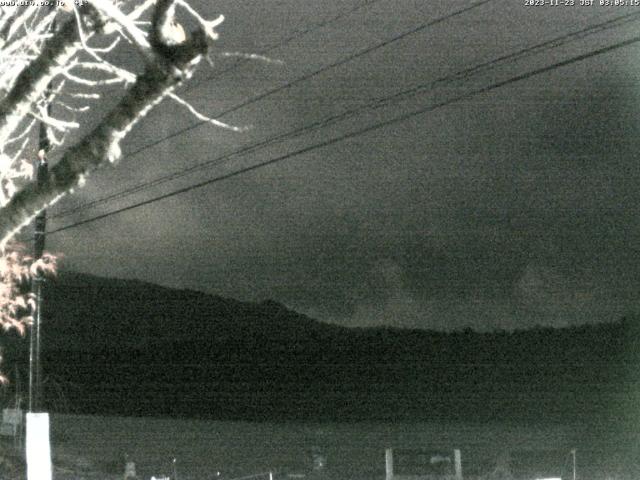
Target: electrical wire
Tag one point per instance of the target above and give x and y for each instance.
(293, 36)
(319, 71)
(308, 76)
(460, 75)
(362, 131)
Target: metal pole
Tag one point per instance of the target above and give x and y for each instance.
(38, 441)
(35, 367)
(388, 457)
(458, 463)
(175, 469)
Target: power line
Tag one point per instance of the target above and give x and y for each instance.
(528, 51)
(460, 75)
(362, 131)
(293, 36)
(355, 56)
(319, 71)
(308, 76)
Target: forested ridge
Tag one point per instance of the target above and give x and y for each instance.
(127, 347)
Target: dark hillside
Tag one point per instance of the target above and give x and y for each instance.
(128, 347)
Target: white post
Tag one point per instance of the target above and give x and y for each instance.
(457, 456)
(38, 447)
(388, 455)
(130, 470)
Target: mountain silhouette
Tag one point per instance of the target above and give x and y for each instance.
(132, 348)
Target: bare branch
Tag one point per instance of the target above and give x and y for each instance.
(23, 134)
(127, 26)
(171, 65)
(18, 153)
(204, 118)
(140, 9)
(33, 80)
(251, 56)
(59, 125)
(207, 25)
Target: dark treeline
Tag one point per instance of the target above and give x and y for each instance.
(126, 347)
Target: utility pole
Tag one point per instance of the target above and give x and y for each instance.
(37, 438)
(42, 174)
(38, 443)
(35, 367)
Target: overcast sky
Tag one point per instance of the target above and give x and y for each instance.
(507, 209)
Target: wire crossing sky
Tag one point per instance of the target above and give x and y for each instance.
(323, 123)
(356, 133)
(308, 76)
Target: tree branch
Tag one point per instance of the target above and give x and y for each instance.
(173, 64)
(33, 80)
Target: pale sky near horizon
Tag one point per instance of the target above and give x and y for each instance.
(506, 209)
